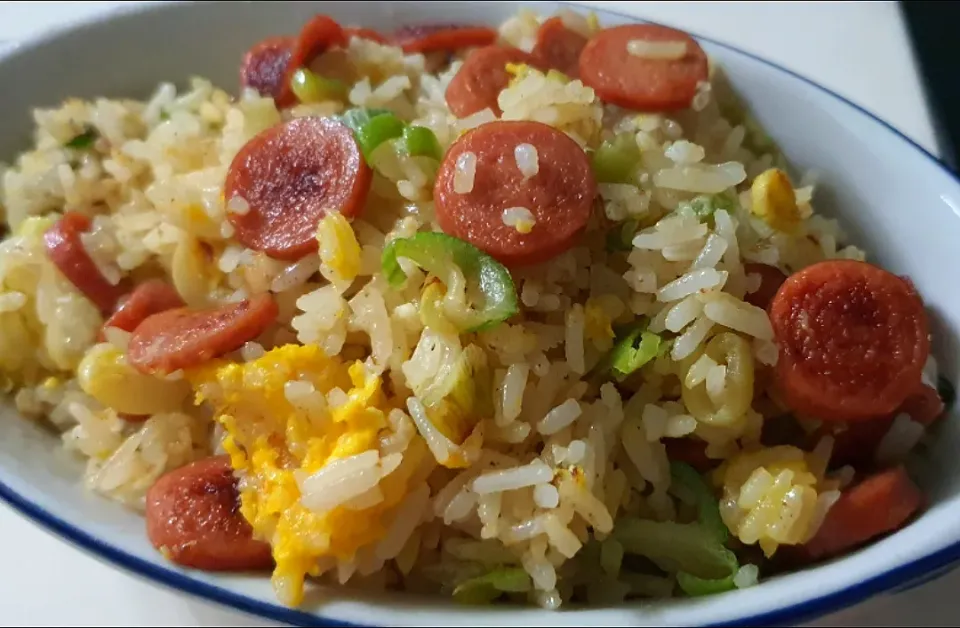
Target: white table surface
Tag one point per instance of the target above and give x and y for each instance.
(859, 50)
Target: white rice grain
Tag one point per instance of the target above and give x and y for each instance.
(238, 205)
(690, 283)
(666, 50)
(405, 521)
(740, 316)
(510, 479)
(559, 417)
(546, 496)
(527, 159)
(687, 342)
(520, 218)
(903, 436)
(464, 173)
(511, 392)
(340, 481)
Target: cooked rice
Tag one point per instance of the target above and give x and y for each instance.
(541, 480)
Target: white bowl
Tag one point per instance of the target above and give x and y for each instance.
(896, 200)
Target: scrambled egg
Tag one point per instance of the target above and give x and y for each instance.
(338, 248)
(273, 443)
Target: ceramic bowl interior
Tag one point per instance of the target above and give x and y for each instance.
(895, 200)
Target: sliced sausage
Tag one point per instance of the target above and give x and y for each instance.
(150, 297)
(560, 195)
(290, 176)
(442, 37)
(645, 82)
(923, 406)
(184, 338)
(264, 67)
(193, 519)
(559, 47)
(481, 78)
(771, 278)
(363, 33)
(853, 340)
(690, 451)
(65, 249)
(881, 503)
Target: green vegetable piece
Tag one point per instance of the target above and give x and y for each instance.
(628, 355)
(558, 76)
(704, 206)
(616, 160)
(372, 127)
(695, 587)
(310, 87)
(164, 115)
(83, 140)
(438, 253)
(676, 547)
(620, 238)
(948, 394)
(708, 509)
(488, 587)
(419, 141)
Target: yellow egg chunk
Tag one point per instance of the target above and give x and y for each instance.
(338, 248)
(284, 441)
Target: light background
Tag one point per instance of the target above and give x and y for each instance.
(857, 49)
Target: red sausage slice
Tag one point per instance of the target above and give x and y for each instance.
(481, 78)
(65, 249)
(291, 175)
(264, 67)
(364, 33)
(445, 37)
(318, 34)
(635, 82)
(146, 299)
(560, 195)
(559, 47)
(183, 338)
(882, 503)
(853, 340)
(193, 519)
(771, 278)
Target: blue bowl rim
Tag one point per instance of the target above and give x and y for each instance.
(888, 581)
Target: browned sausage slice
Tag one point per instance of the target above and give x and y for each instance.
(150, 297)
(881, 503)
(644, 80)
(442, 37)
(481, 78)
(65, 249)
(853, 340)
(287, 178)
(184, 338)
(193, 518)
(559, 47)
(264, 67)
(559, 195)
